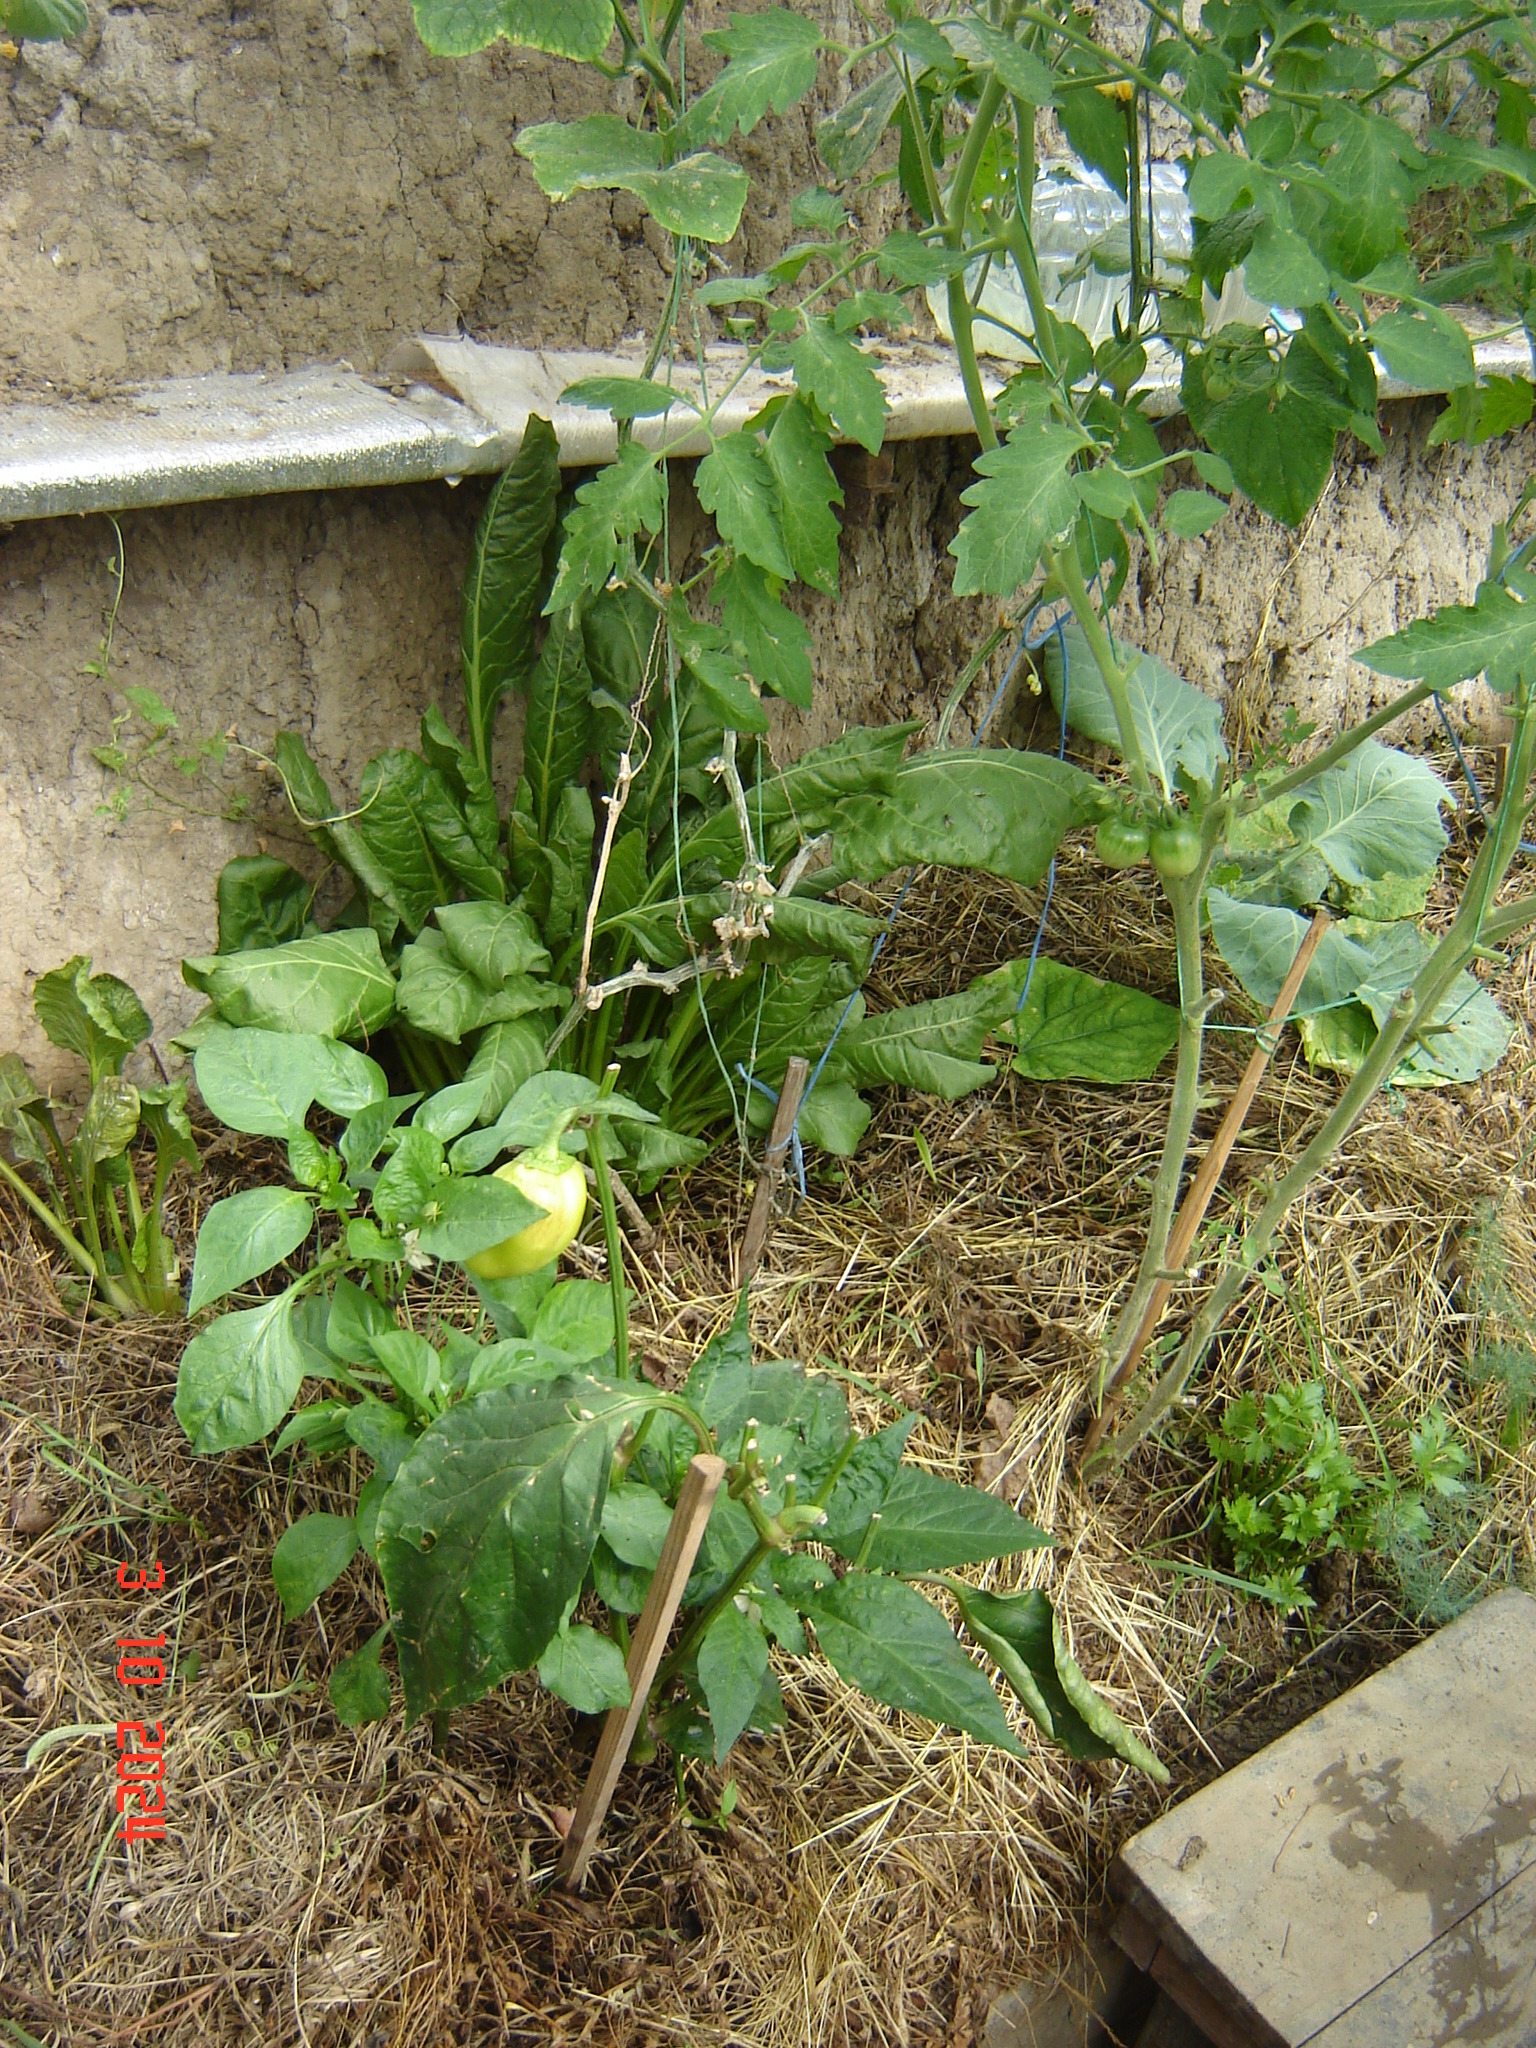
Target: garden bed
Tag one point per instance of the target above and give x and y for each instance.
(879, 1880)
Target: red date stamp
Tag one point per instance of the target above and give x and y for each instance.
(141, 1754)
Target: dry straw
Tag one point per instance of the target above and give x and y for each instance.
(879, 1879)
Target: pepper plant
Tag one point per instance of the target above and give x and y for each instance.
(523, 1477)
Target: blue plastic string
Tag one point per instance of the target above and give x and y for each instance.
(1525, 845)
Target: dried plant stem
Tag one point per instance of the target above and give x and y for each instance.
(598, 1155)
(614, 807)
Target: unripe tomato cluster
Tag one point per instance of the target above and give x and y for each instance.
(1122, 840)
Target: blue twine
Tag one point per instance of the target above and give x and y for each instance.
(1027, 645)
(1525, 845)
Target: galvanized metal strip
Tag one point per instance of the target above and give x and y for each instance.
(443, 408)
(198, 438)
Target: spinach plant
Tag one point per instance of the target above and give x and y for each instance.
(1303, 171)
(695, 938)
(86, 1192)
(523, 1477)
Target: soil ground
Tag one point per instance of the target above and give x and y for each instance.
(878, 1881)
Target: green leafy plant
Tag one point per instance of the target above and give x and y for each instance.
(43, 21)
(696, 938)
(86, 1192)
(1301, 176)
(698, 929)
(1288, 1492)
(523, 1478)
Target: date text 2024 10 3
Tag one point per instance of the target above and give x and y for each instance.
(141, 1753)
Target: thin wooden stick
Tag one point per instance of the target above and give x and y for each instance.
(760, 1218)
(650, 1639)
(1192, 1214)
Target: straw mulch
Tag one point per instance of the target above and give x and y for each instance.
(879, 1880)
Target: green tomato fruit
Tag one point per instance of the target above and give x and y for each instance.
(559, 1187)
(1176, 850)
(1120, 842)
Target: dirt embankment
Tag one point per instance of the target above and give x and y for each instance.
(252, 187)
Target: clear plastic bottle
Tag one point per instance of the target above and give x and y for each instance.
(1077, 215)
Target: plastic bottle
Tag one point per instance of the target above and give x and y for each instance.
(1082, 239)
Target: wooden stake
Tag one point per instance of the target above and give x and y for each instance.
(1190, 1217)
(760, 1218)
(650, 1639)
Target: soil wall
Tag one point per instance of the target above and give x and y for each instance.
(256, 184)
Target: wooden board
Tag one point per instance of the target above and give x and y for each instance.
(1360, 1843)
(1477, 1983)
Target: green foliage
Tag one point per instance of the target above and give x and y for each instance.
(86, 1192)
(523, 1486)
(505, 584)
(1288, 1492)
(685, 921)
(1494, 636)
(44, 21)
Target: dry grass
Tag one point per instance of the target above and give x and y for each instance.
(879, 1879)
